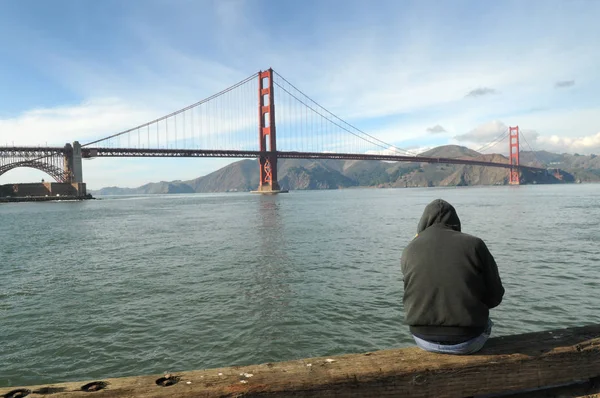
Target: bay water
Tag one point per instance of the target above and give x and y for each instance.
(163, 283)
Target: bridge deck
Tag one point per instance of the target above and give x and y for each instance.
(89, 152)
(131, 152)
(511, 364)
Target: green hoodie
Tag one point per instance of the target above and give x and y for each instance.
(450, 279)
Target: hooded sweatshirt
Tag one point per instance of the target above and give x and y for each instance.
(450, 279)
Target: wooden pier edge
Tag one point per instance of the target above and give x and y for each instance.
(507, 365)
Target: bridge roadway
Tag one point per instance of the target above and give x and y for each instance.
(128, 152)
(31, 150)
(89, 152)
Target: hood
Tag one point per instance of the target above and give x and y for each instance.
(439, 212)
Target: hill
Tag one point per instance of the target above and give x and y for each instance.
(151, 188)
(451, 151)
(584, 168)
(298, 174)
(238, 176)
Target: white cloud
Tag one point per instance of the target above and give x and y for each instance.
(484, 133)
(582, 145)
(83, 122)
(436, 129)
(529, 139)
(207, 126)
(564, 83)
(392, 151)
(481, 91)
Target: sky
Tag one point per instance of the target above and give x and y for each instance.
(416, 74)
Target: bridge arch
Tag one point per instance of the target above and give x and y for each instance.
(55, 172)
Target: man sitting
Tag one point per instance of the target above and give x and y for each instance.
(450, 282)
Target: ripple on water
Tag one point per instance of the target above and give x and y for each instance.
(216, 280)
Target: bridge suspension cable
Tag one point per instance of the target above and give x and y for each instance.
(208, 124)
(304, 124)
(227, 121)
(494, 142)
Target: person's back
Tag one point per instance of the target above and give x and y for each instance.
(450, 282)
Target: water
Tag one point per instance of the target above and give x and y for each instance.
(143, 285)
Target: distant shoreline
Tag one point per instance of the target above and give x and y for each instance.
(357, 187)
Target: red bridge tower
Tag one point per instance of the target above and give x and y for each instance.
(513, 156)
(267, 134)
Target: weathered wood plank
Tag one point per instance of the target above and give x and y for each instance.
(585, 389)
(507, 364)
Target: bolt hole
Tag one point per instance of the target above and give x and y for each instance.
(94, 386)
(20, 393)
(49, 390)
(167, 381)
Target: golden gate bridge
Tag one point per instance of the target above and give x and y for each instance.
(289, 125)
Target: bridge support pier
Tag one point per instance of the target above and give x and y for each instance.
(73, 167)
(77, 165)
(268, 175)
(267, 161)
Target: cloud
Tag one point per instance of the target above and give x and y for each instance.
(484, 133)
(85, 121)
(436, 129)
(410, 78)
(422, 149)
(407, 135)
(564, 84)
(212, 125)
(481, 91)
(392, 151)
(582, 144)
(529, 139)
(528, 136)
